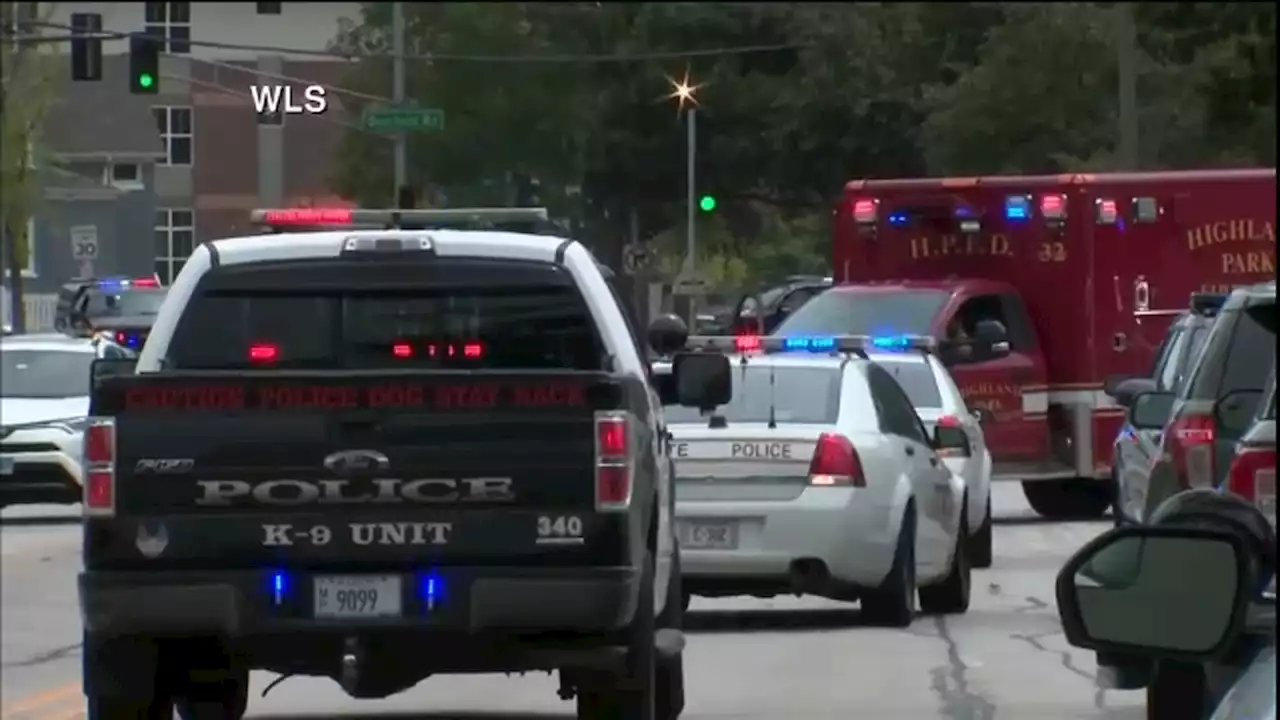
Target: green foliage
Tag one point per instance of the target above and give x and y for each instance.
(859, 90)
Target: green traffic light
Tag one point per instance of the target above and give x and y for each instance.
(707, 203)
(146, 80)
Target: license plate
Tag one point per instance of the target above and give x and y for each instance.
(6, 465)
(709, 536)
(357, 596)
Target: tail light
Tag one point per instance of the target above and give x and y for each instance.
(1190, 442)
(866, 211)
(953, 441)
(835, 462)
(614, 461)
(1253, 477)
(100, 467)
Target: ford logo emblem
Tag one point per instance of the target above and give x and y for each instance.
(348, 462)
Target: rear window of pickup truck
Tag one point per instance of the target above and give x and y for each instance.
(517, 327)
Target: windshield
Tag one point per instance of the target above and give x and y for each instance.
(44, 373)
(798, 395)
(916, 379)
(532, 327)
(126, 304)
(866, 313)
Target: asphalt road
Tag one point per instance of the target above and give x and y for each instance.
(747, 659)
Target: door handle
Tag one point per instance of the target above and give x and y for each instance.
(933, 461)
(910, 450)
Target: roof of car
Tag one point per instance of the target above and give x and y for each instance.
(48, 341)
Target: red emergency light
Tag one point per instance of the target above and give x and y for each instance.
(1053, 207)
(866, 211)
(264, 352)
(747, 343)
(1107, 212)
(308, 216)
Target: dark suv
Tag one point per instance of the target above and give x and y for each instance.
(1238, 355)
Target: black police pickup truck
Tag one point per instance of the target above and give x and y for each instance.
(381, 455)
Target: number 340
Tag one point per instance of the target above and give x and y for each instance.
(1052, 252)
(559, 526)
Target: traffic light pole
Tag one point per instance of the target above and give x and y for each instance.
(397, 89)
(691, 241)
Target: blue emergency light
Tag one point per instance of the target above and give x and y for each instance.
(1017, 208)
(899, 218)
(751, 344)
(119, 283)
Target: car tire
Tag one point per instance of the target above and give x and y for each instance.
(951, 596)
(222, 699)
(1076, 498)
(980, 543)
(893, 604)
(1178, 691)
(641, 693)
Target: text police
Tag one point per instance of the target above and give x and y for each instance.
(225, 493)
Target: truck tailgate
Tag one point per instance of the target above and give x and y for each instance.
(324, 469)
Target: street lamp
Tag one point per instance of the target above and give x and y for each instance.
(684, 92)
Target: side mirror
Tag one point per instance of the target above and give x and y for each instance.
(702, 379)
(1233, 413)
(1179, 593)
(1113, 381)
(667, 334)
(991, 332)
(1151, 410)
(1127, 389)
(106, 368)
(951, 441)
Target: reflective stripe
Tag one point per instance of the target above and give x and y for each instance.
(1038, 401)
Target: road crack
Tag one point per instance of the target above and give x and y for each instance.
(950, 683)
(45, 657)
(1064, 658)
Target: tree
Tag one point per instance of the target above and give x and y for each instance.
(27, 88)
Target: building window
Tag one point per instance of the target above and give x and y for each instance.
(126, 176)
(175, 239)
(171, 21)
(175, 126)
(269, 8)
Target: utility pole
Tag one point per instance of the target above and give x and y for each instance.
(691, 239)
(1126, 51)
(11, 23)
(397, 89)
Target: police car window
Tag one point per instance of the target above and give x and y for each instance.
(915, 377)
(1190, 356)
(44, 373)
(897, 415)
(866, 313)
(797, 395)
(534, 327)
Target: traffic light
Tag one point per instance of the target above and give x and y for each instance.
(707, 203)
(86, 47)
(144, 64)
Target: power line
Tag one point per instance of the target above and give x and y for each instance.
(454, 57)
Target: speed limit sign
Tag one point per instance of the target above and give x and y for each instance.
(84, 242)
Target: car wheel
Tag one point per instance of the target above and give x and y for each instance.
(1076, 498)
(980, 543)
(894, 603)
(630, 696)
(951, 596)
(226, 698)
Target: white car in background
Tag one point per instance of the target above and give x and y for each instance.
(44, 399)
(963, 445)
(818, 478)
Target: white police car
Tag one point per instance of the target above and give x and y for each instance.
(44, 398)
(819, 477)
(962, 444)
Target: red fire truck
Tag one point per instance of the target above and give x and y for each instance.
(1049, 271)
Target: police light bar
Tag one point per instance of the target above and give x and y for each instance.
(859, 344)
(280, 218)
(121, 283)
